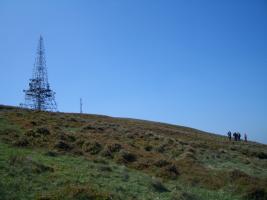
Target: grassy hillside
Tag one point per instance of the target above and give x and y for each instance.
(76, 156)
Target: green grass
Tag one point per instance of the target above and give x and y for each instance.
(233, 160)
(22, 182)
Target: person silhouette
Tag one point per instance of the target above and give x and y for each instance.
(229, 135)
(235, 136)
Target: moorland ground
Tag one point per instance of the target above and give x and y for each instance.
(46, 155)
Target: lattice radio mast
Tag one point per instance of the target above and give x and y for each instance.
(39, 96)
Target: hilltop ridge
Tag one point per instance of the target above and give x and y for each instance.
(102, 157)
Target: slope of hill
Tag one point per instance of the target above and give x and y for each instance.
(76, 156)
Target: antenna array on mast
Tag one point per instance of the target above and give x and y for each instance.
(39, 96)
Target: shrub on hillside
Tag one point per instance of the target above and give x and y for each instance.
(31, 133)
(21, 142)
(67, 137)
(110, 149)
(63, 145)
(38, 132)
(172, 170)
(114, 147)
(143, 164)
(43, 131)
(107, 153)
(79, 142)
(126, 157)
(92, 147)
(262, 155)
(148, 148)
(95, 127)
(160, 148)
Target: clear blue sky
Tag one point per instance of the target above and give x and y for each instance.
(196, 63)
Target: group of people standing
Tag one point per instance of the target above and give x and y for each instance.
(236, 136)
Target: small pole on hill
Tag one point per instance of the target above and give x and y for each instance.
(81, 106)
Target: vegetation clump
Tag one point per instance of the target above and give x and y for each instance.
(148, 148)
(62, 145)
(21, 142)
(158, 186)
(43, 131)
(127, 157)
(262, 155)
(110, 149)
(92, 147)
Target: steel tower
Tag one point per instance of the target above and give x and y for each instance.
(39, 96)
